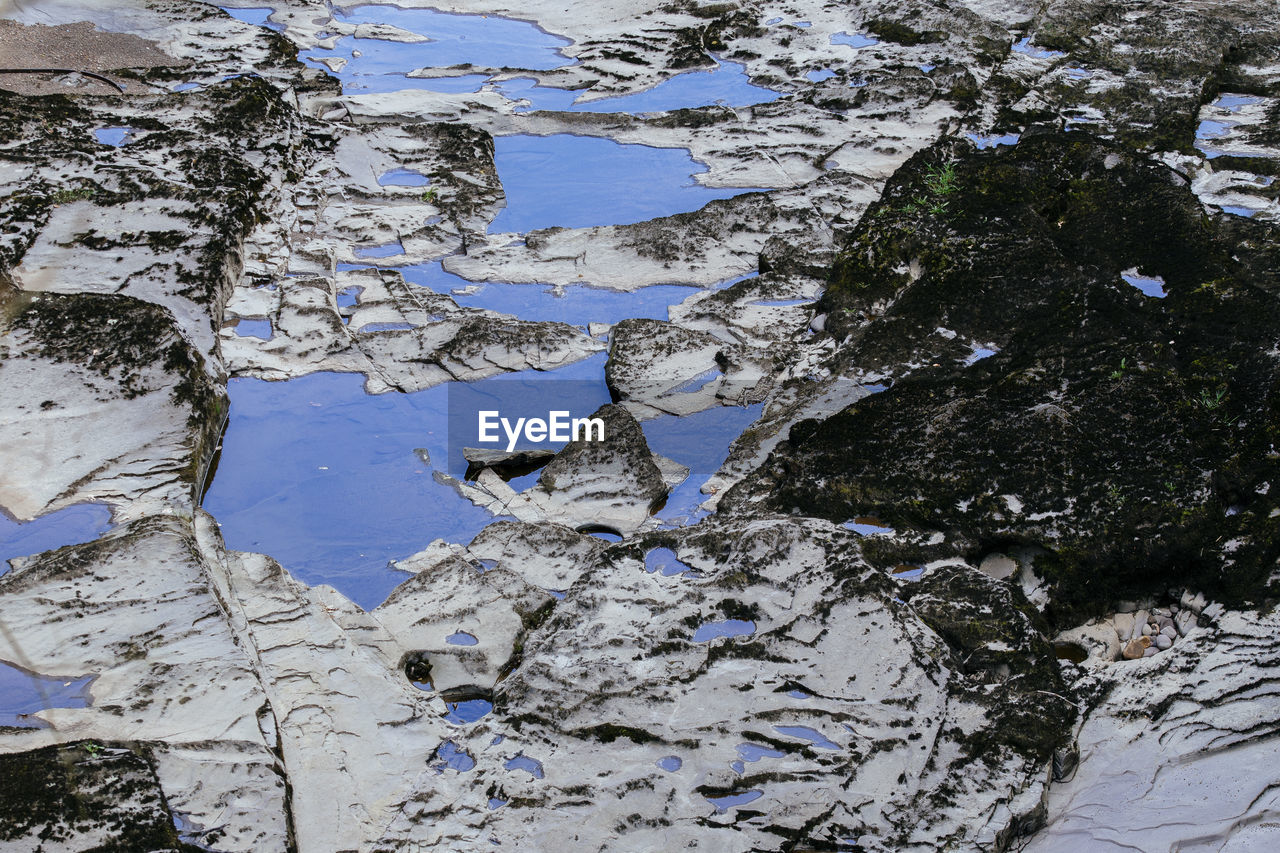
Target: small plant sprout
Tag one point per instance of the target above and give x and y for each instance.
(941, 180)
(1211, 400)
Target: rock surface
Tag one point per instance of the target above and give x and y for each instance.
(1002, 281)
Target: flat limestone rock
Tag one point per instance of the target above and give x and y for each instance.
(136, 611)
(1219, 718)
(121, 410)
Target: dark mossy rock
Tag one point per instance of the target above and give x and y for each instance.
(84, 796)
(1007, 664)
(898, 32)
(693, 45)
(1133, 437)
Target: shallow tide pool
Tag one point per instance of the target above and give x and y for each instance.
(430, 38)
(727, 84)
(580, 181)
(73, 525)
(23, 693)
(327, 479)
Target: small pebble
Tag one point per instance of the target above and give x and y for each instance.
(1146, 629)
(1163, 642)
(1169, 631)
(1124, 625)
(1136, 648)
(1151, 652)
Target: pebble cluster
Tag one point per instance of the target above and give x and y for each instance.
(1148, 632)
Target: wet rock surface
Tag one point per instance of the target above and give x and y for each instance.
(1120, 432)
(991, 570)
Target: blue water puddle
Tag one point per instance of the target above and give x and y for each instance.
(665, 562)
(781, 303)
(818, 75)
(1025, 47)
(454, 39)
(539, 97)
(580, 181)
(753, 752)
(1149, 285)
(461, 638)
(257, 16)
(978, 354)
(523, 762)
(388, 327)
(730, 282)
(606, 535)
(709, 631)
(669, 763)
(324, 478)
(577, 305)
(868, 527)
(184, 87)
(1236, 210)
(254, 329)
(729, 801)
(854, 40)
(23, 693)
(697, 383)
(992, 141)
(1233, 103)
(403, 178)
(73, 525)
(469, 711)
(814, 736)
(725, 84)
(927, 68)
(496, 803)
(800, 694)
(348, 297)
(804, 25)
(700, 442)
(1208, 129)
(453, 758)
(387, 250)
(114, 136)
(381, 83)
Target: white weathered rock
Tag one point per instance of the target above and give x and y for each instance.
(998, 566)
(1199, 774)
(136, 610)
(486, 610)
